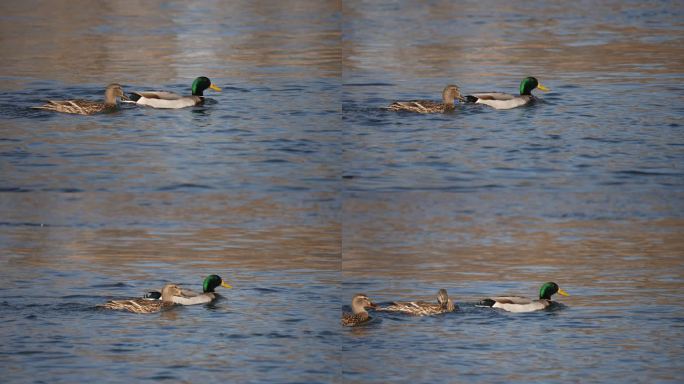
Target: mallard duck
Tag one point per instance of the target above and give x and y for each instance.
(524, 304)
(190, 297)
(170, 100)
(422, 308)
(208, 295)
(144, 305)
(85, 107)
(359, 316)
(500, 100)
(449, 94)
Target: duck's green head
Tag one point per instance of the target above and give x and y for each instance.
(201, 84)
(530, 83)
(213, 281)
(549, 289)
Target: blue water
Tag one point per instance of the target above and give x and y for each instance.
(298, 188)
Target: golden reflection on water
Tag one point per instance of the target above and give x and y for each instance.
(468, 40)
(222, 231)
(155, 42)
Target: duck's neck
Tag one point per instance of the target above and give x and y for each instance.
(208, 287)
(526, 88)
(358, 309)
(448, 98)
(167, 295)
(110, 98)
(197, 90)
(449, 305)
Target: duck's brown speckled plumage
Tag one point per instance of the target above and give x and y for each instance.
(350, 320)
(142, 305)
(359, 316)
(86, 107)
(449, 94)
(422, 308)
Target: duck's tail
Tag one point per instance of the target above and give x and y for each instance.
(487, 303)
(134, 97)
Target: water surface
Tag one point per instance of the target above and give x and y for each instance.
(583, 188)
(109, 206)
(299, 189)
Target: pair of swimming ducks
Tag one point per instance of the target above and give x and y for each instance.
(361, 302)
(451, 93)
(155, 99)
(164, 99)
(169, 296)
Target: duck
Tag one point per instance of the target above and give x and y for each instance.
(170, 100)
(500, 100)
(449, 94)
(359, 315)
(145, 305)
(523, 304)
(190, 297)
(422, 308)
(86, 107)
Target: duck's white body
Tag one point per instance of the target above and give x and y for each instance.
(190, 297)
(519, 304)
(166, 100)
(500, 100)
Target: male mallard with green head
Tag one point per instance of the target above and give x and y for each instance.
(143, 305)
(170, 100)
(190, 297)
(359, 315)
(524, 304)
(449, 94)
(500, 100)
(422, 308)
(85, 107)
(208, 295)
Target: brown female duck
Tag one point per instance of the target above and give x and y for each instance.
(86, 107)
(449, 94)
(422, 308)
(142, 305)
(359, 316)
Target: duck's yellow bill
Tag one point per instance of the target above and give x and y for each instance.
(562, 292)
(543, 88)
(215, 88)
(225, 285)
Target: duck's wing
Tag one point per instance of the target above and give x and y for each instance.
(152, 295)
(515, 303)
(500, 100)
(511, 299)
(418, 308)
(350, 319)
(163, 95)
(168, 103)
(136, 305)
(190, 297)
(81, 107)
(493, 96)
(419, 106)
(531, 306)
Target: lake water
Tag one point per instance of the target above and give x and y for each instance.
(296, 187)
